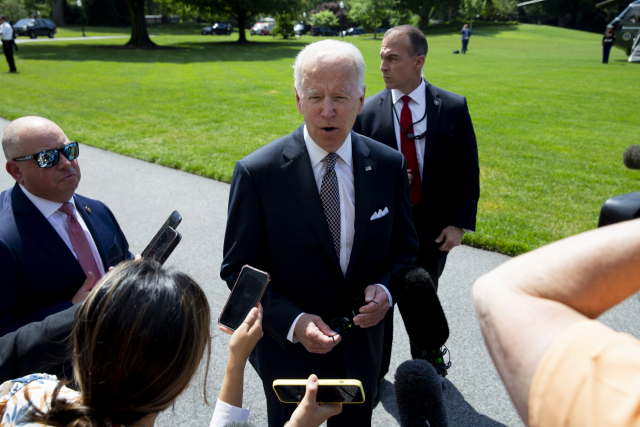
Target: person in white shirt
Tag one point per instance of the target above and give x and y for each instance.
(6, 34)
(51, 239)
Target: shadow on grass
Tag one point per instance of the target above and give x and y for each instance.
(179, 53)
(459, 411)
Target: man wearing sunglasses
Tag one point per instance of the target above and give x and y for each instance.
(51, 239)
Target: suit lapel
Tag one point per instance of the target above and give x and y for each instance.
(93, 227)
(433, 105)
(364, 182)
(29, 218)
(387, 129)
(297, 171)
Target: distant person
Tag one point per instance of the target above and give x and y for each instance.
(432, 128)
(51, 239)
(466, 35)
(608, 40)
(537, 312)
(6, 34)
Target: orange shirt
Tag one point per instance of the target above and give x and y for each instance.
(589, 377)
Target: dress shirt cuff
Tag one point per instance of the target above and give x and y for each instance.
(388, 294)
(467, 231)
(225, 414)
(290, 335)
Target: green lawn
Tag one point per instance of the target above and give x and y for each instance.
(551, 120)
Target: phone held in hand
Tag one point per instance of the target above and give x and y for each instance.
(173, 221)
(246, 294)
(329, 391)
(164, 245)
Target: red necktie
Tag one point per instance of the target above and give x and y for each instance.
(408, 148)
(80, 243)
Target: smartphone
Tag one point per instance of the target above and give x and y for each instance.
(173, 221)
(164, 245)
(329, 391)
(246, 294)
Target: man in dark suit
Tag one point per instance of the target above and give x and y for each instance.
(326, 213)
(51, 240)
(433, 129)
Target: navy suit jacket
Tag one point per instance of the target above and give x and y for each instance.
(276, 223)
(451, 174)
(40, 275)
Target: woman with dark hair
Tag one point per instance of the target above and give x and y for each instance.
(138, 340)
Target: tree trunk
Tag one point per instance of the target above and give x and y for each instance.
(139, 33)
(57, 12)
(240, 16)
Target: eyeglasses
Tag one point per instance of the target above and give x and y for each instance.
(49, 158)
(342, 324)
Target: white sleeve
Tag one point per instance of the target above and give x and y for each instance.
(290, 335)
(225, 414)
(388, 293)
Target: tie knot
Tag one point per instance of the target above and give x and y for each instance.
(66, 208)
(406, 99)
(331, 160)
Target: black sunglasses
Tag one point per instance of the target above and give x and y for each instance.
(49, 158)
(342, 324)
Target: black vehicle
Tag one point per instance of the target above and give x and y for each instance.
(301, 29)
(353, 31)
(34, 28)
(381, 30)
(319, 31)
(218, 28)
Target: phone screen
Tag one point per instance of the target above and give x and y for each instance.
(245, 295)
(164, 242)
(326, 393)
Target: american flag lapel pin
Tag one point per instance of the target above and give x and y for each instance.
(87, 209)
(367, 168)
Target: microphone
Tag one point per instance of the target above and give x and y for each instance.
(420, 308)
(419, 395)
(631, 157)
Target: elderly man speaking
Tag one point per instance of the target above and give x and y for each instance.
(326, 212)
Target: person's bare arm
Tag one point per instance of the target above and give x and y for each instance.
(524, 304)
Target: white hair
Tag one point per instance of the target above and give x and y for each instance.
(329, 51)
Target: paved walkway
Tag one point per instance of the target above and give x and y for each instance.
(60, 39)
(143, 194)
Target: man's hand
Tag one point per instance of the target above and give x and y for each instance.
(374, 312)
(451, 236)
(312, 414)
(315, 335)
(84, 290)
(410, 176)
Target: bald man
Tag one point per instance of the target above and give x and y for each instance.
(51, 239)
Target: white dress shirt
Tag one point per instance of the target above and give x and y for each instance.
(418, 106)
(58, 221)
(7, 31)
(346, 189)
(225, 414)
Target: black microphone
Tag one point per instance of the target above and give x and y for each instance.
(420, 308)
(631, 157)
(419, 395)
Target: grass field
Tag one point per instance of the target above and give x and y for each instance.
(551, 120)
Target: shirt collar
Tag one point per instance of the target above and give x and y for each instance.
(417, 95)
(46, 207)
(317, 153)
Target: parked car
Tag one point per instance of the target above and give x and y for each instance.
(381, 30)
(319, 31)
(301, 29)
(353, 31)
(218, 28)
(35, 27)
(261, 29)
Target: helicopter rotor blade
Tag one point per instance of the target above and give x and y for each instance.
(532, 1)
(605, 2)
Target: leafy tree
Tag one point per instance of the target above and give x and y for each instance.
(324, 19)
(469, 9)
(139, 32)
(284, 25)
(370, 13)
(243, 10)
(502, 9)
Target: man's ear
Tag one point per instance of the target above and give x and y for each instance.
(14, 170)
(364, 93)
(420, 61)
(297, 99)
